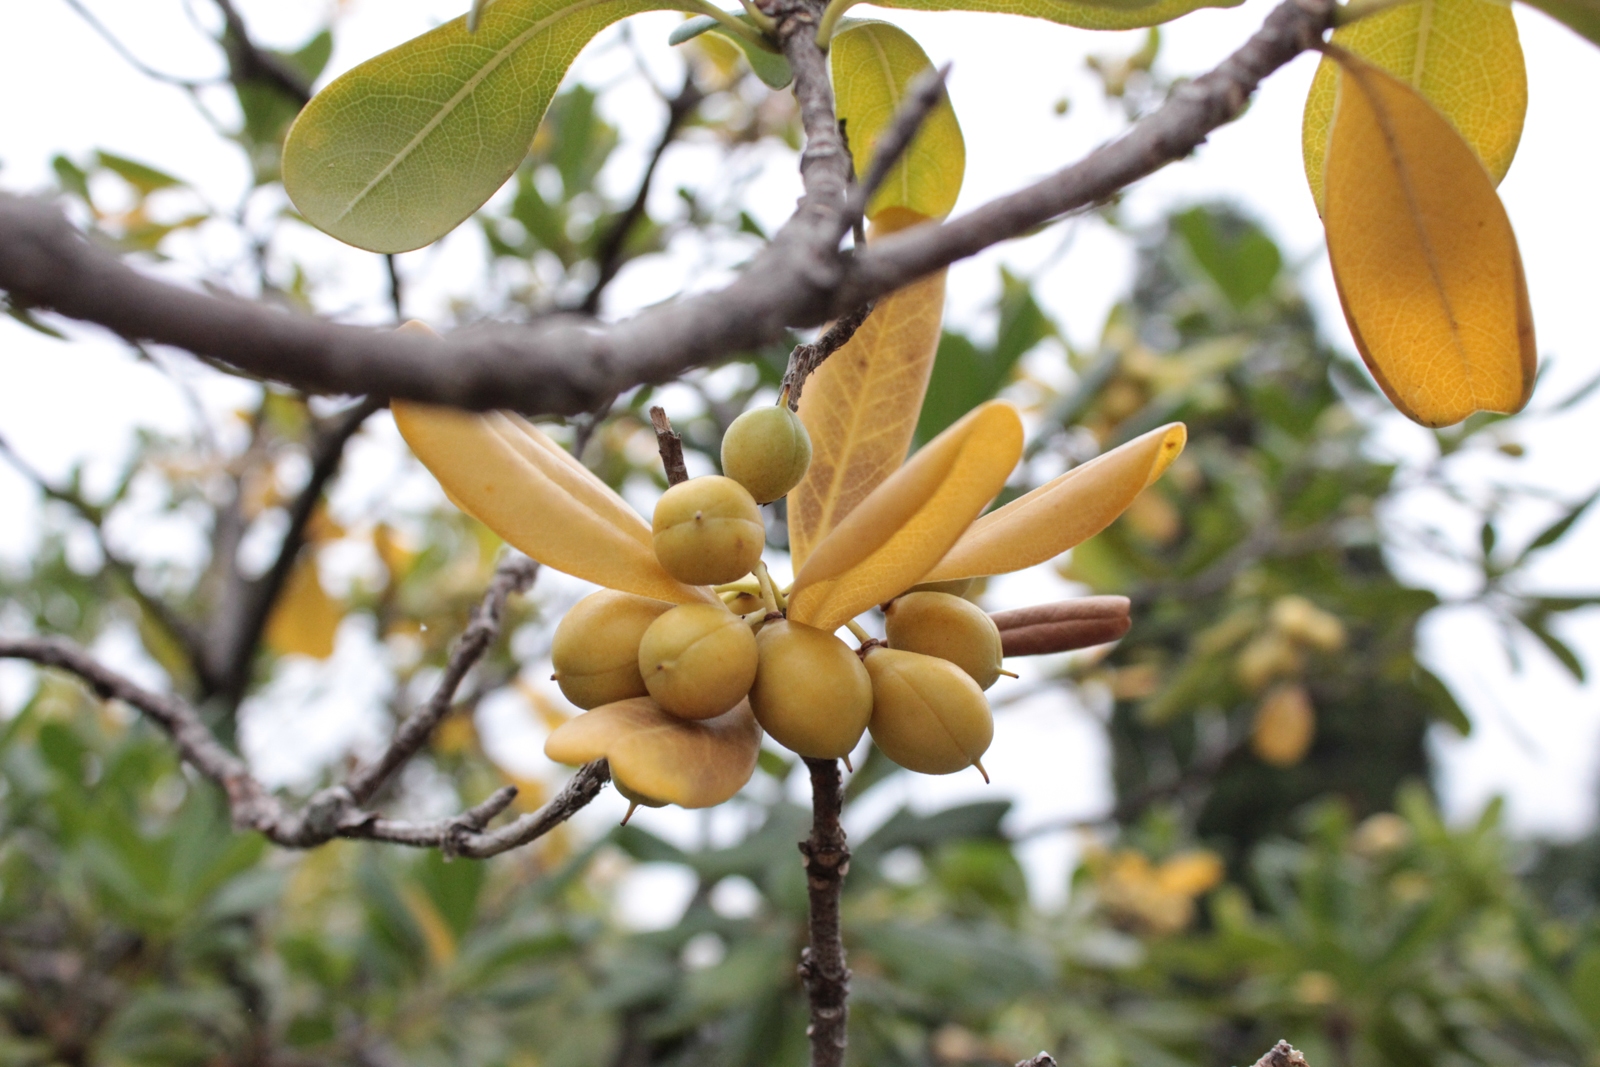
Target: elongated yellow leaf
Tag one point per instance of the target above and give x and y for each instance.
(1113, 15)
(1063, 512)
(660, 756)
(305, 619)
(398, 151)
(1462, 55)
(861, 409)
(522, 486)
(1423, 255)
(909, 522)
(871, 64)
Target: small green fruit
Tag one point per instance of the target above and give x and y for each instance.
(938, 624)
(767, 451)
(811, 694)
(928, 715)
(708, 531)
(595, 651)
(698, 660)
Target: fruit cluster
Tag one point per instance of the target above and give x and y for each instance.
(920, 693)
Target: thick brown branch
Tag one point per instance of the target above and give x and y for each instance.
(826, 858)
(568, 365)
(513, 576)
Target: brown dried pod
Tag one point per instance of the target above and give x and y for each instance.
(1063, 626)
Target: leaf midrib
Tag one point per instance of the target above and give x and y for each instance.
(471, 85)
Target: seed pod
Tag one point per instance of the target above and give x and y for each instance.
(595, 651)
(928, 715)
(1062, 626)
(811, 694)
(708, 531)
(698, 660)
(939, 624)
(767, 451)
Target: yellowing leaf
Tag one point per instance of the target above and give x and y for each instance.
(1191, 873)
(872, 63)
(437, 936)
(1063, 512)
(305, 619)
(526, 488)
(1284, 727)
(1423, 255)
(656, 755)
(861, 409)
(398, 151)
(1089, 16)
(887, 544)
(1462, 55)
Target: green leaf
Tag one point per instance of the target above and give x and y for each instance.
(399, 151)
(1580, 16)
(871, 64)
(769, 65)
(1440, 700)
(1088, 16)
(965, 375)
(1558, 529)
(25, 316)
(1244, 263)
(1537, 626)
(143, 178)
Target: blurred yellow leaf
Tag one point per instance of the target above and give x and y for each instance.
(886, 545)
(694, 764)
(306, 618)
(458, 733)
(437, 936)
(1191, 873)
(1462, 55)
(872, 63)
(1423, 255)
(861, 408)
(1063, 512)
(511, 477)
(1106, 15)
(1284, 727)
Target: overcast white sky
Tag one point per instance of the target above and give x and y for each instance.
(1538, 735)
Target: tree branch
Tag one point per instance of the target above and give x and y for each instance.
(609, 255)
(337, 811)
(247, 603)
(249, 62)
(1282, 1055)
(826, 858)
(806, 358)
(567, 365)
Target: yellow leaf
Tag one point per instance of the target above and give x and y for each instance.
(1462, 55)
(526, 488)
(694, 764)
(872, 63)
(437, 936)
(1284, 726)
(306, 618)
(887, 544)
(1423, 255)
(861, 409)
(1063, 512)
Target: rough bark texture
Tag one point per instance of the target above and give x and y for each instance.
(826, 858)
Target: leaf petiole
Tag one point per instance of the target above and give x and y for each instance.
(732, 24)
(830, 20)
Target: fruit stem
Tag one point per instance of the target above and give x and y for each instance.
(979, 764)
(1009, 674)
(768, 594)
(859, 634)
(743, 585)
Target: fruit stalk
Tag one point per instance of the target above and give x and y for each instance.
(826, 858)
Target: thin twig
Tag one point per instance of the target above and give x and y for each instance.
(397, 291)
(250, 62)
(806, 358)
(1282, 1055)
(670, 444)
(608, 257)
(924, 94)
(105, 34)
(826, 858)
(513, 576)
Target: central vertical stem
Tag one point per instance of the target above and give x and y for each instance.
(826, 858)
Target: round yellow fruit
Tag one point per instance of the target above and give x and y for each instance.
(708, 531)
(634, 797)
(812, 693)
(928, 715)
(698, 660)
(767, 451)
(595, 651)
(939, 624)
